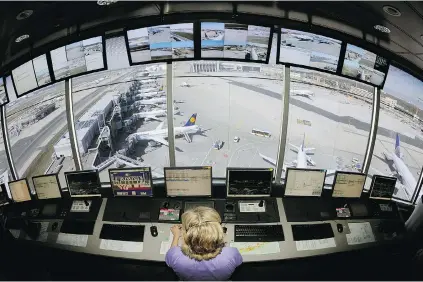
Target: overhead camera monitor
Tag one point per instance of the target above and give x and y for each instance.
(3, 94)
(79, 57)
(188, 181)
(4, 199)
(163, 42)
(309, 49)
(364, 65)
(348, 184)
(31, 75)
(83, 183)
(235, 41)
(19, 190)
(382, 187)
(249, 182)
(47, 186)
(131, 181)
(304, 182)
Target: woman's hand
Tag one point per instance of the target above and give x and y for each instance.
(176, 230)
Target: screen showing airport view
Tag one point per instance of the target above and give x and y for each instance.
(304, 182)
(164, 42)
(188, 181)
(308, 49)
(364, 65)
(234, 41)
(47, 187)
(83, 183)
(79, 57)
(382, 187)
(348, 185)
(249, 182)
(131, 181)
(20, 191)
(31, 75)
(3, 96)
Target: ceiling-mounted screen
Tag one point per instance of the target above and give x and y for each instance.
(309, 49)
(31, 75)
(364, 65)
(235, 41)
(3, 95)
(79, 57)
(163, 42)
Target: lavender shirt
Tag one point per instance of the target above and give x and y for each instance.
(219, 268)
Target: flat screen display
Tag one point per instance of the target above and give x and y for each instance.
(184, 181)
(3, 95)
(304, 182)
(163, 42)
(348, 185)
(20, 191)
(382, 187)
(4, 199)
(47, 187)
(309, 49)
(234, 41)
(79, 57)
(131, 181)
(83, 183)
(249, 182)
(364, 65)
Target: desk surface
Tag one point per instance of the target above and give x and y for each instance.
(152, 245)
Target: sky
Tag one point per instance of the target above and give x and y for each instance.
(217, 26)
(404, 86)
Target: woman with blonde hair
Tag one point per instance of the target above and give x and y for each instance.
(203, 255)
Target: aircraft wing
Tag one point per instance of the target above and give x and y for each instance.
(387, 156)
(377, 171)
(269, 160)
(152, 117)
(403, 192)
(309, 149)
(160, 126)
(160, 140)
(295, 147)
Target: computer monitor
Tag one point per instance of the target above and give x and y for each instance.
(188, 181)
(382, 187)
(47, 186)
(83, 183)
(304, 182)
(244, 182)
(131, 181)
(4, 198)
(19, 190)
(348, 184)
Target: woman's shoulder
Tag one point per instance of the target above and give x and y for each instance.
(230, 251)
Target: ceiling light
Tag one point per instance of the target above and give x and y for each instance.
(24, 15)
(382, 28)
(106, 2)
(392, 11)
(21, 38)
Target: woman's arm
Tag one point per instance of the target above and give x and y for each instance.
(175, 241)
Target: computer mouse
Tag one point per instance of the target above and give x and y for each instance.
(86, 203)
(176, 206)
(225, 229)
(261, 204)
(153, 230)
(54, 226)
(229, 207)
(340, 227)
(166, 205)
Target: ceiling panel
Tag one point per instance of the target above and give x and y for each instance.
(336, 25)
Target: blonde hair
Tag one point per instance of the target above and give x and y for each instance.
(203, 236)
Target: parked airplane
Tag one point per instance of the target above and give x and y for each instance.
(154, 114)
(407, 183)
(153, 101)
(302, 93)
(160, 133)
(149, 95)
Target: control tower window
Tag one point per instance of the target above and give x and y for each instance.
(124, 124)
(398, 150)
(329, 122)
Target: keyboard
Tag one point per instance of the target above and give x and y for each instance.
(82, 227)
(259, 233)
(312, 209)
(123, 232)
(303, 232)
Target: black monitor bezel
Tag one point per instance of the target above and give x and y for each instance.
(189, 167)
(8, 199)
(348, 172)
(47, 175)
(3, 78)
(303, 169)
(29, 190)
(82, 171)
(128, 169)
(228, 169)
(372, 186)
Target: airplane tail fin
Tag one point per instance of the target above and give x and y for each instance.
(397, 146)
(191, 120)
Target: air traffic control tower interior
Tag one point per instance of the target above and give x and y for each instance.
(300, 123)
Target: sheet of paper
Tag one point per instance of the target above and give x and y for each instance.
(121, 246)
(256, 248)
(72, 239)
(361, 232)
(43, 233)
(165, 245)
(15, 233)
(308, 245)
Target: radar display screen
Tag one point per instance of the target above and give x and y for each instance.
(83, 183)
(382, 187)
(304, 182)
(249, 182)
(131, 181)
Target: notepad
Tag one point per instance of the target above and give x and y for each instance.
(360, 233)
(165, 245)
(72, 239)
(121, 246)
(308, 245)
(15, 233)
(256, 248)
